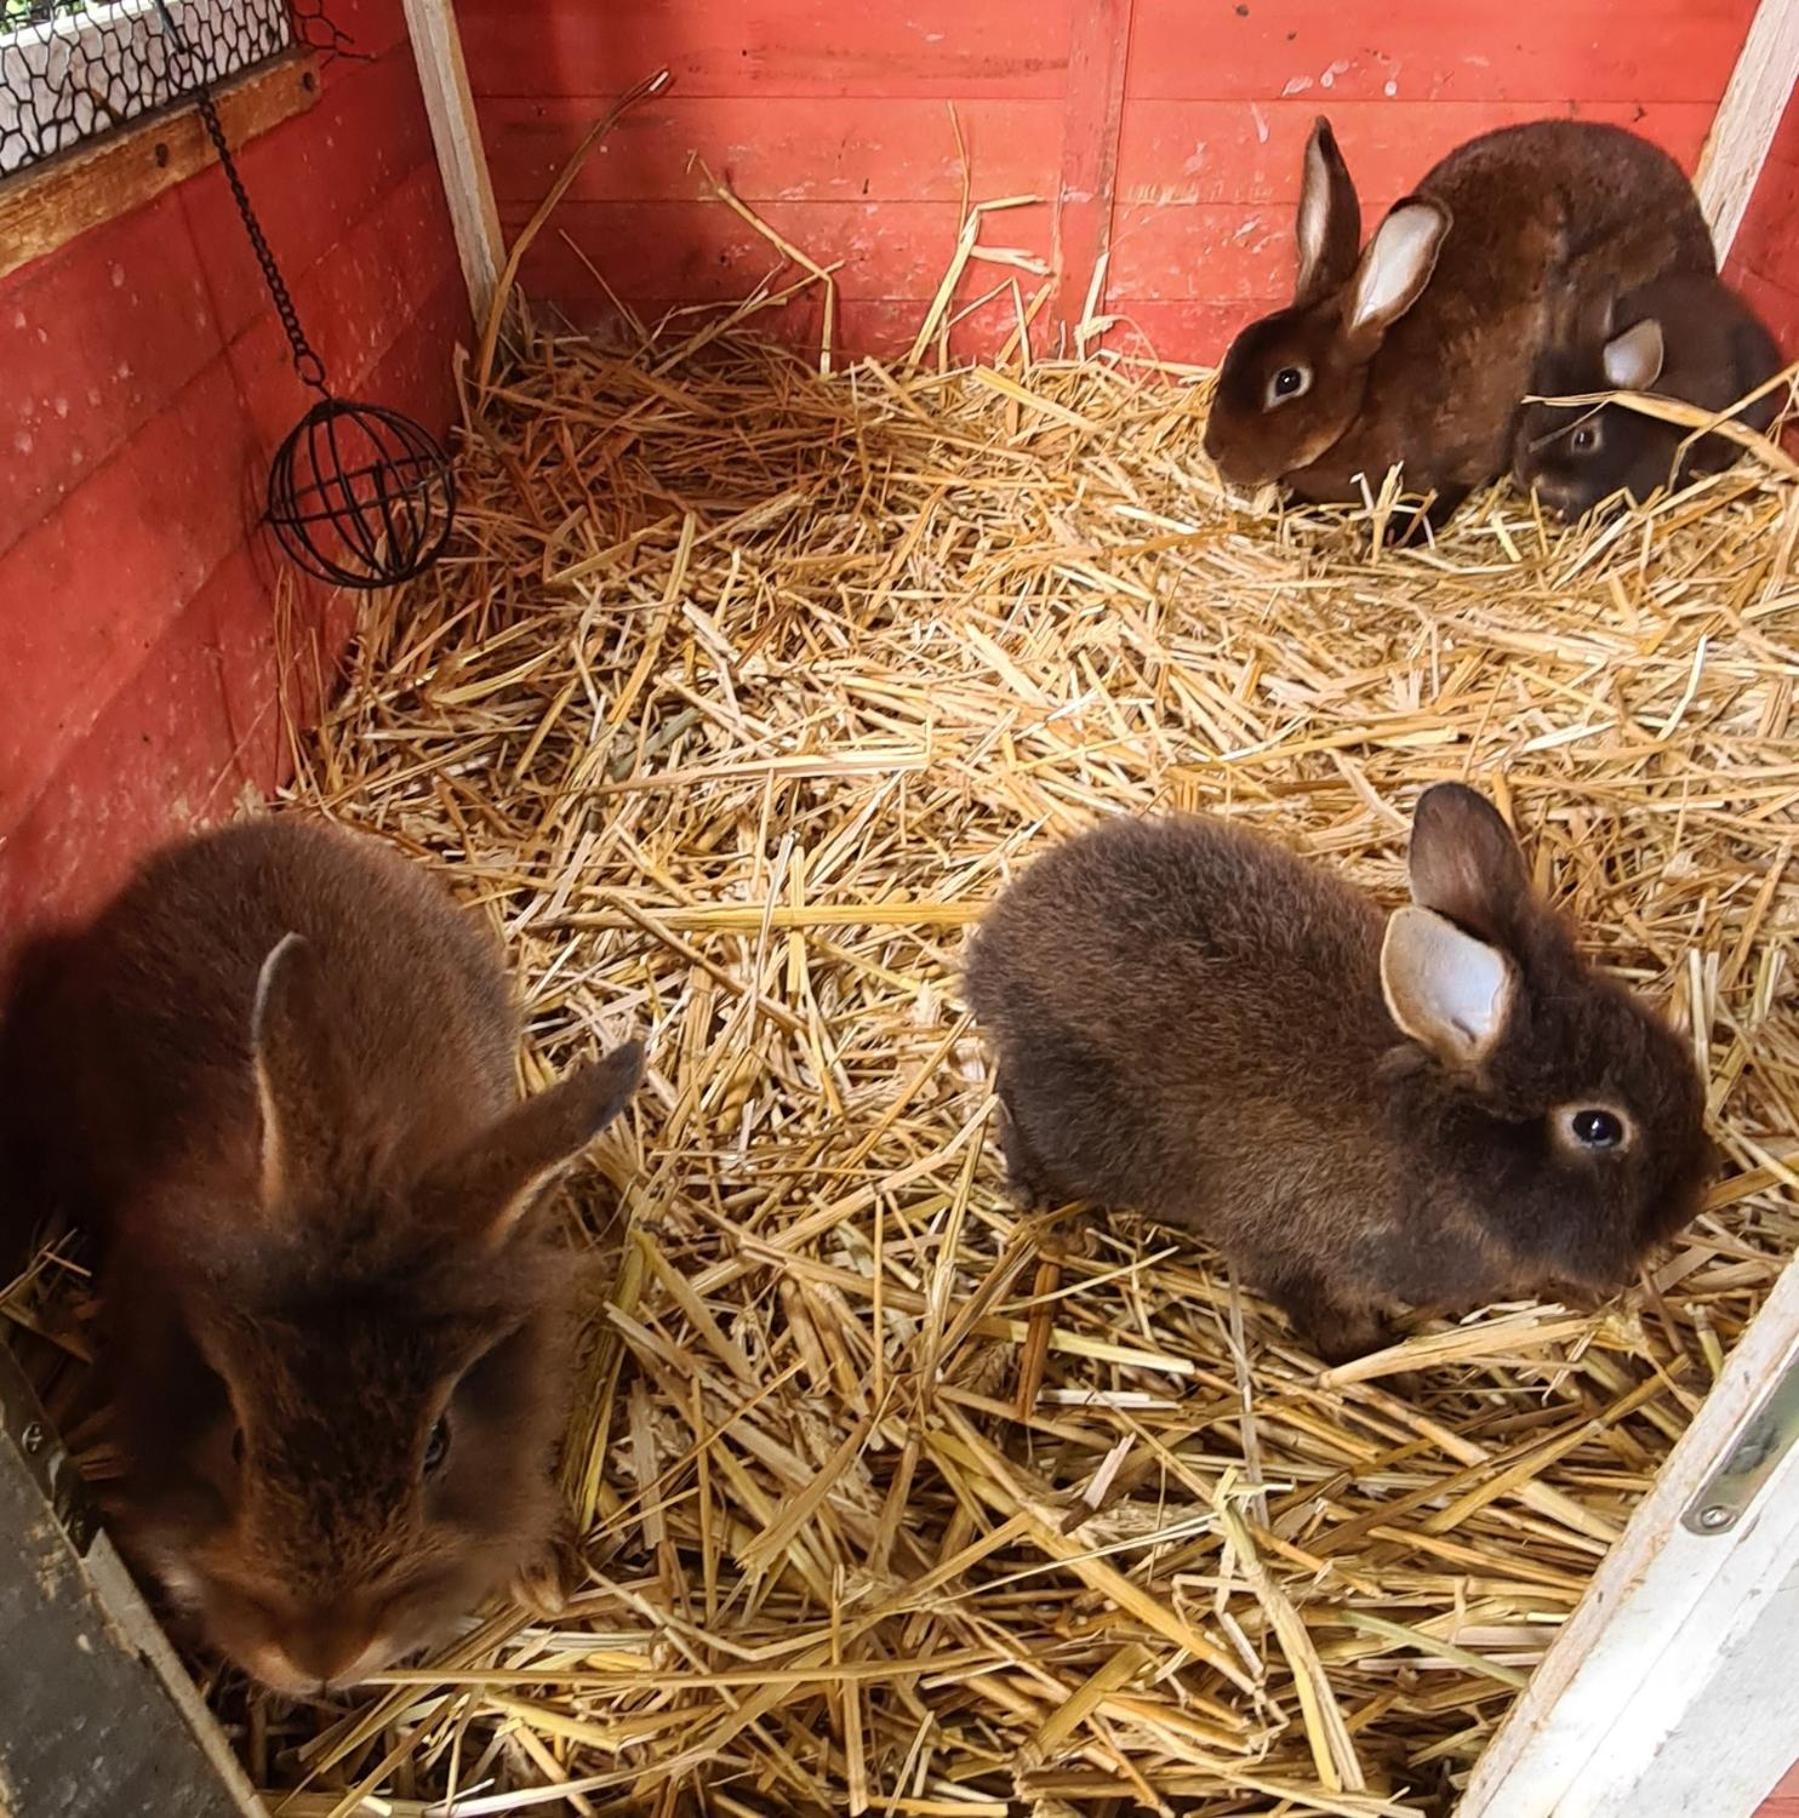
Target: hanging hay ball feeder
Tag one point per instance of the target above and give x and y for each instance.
(358, 496)
(361, 496)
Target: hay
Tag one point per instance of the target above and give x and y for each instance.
(742, 692)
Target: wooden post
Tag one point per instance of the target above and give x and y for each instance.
(461, 159)
(1082, 227)
(44, 207)
(1747, 119)
(1671, 1688)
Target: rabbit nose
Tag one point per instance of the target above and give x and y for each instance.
(329, 1651)
(1241, 472)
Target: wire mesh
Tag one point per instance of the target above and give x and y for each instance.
(71, 70)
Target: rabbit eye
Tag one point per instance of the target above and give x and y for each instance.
(1585, 439)
(437, 1447)
(1593, 1127)
(1289, 382)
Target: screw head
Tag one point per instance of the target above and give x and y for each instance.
(32, 1439)
(1715, 1517)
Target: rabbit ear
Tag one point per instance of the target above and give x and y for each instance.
(1633, 360)
(1465, 864)
(1395, 268)
(300, 1087)
(1330, 218)
(493, 1183)
(1579, 318)
(1448, 991)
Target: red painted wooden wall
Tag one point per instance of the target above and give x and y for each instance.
(146, 383)
(1784, 1802)
(1170, 128)
(1765, 258)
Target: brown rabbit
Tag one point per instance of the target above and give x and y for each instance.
(1419, 350)
(1437, 1108)
(277, 1081)
(1686, 336)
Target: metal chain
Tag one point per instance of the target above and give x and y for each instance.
(307, 364)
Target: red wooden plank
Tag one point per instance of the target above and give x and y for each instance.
(94, 341)
(370, 27)
(1194, 333)
(887, 327)
(1250, 152)
(1776, 304)
(1786, 135)
(275, 665)
(1222, 251)
(312, 180)
(1764, 261)
(1418, 50)
(1000, 48)
(93, 586)
(1767, 243)
(703, 252)
(355, 302)
(776, 149)
(161, 756)
(1095, 109)
(416, 372)
(1210, 253)
(1789, 1785)
(882, 326)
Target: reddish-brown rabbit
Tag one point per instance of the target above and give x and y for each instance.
(1689, 337)
(1434, 1108)
(1419, 349)
(278, 1078)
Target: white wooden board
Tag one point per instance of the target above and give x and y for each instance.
(461, 157)
(1665, 1693)
(1747, 119)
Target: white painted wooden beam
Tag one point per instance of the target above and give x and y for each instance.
(461, 158)
(1660, 1698)
(1747, 117)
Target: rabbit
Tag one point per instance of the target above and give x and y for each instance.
(1685, 336)
(1436, 1108)
(276, 1079)
(1419, 349)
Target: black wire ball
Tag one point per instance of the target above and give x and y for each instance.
(361, 496)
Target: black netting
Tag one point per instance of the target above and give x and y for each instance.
(73, 69)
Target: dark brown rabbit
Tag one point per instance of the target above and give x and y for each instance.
(1687, 336)
(278, 1080)
(1434, 1108)
(1419, 349)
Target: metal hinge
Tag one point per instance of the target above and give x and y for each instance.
(24, 1425)
(1724, 1498)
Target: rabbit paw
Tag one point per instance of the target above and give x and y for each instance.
(1337, 1329)
(1024, 1178)
(546, 1581)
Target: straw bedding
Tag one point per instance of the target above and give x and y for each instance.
(742, 692)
